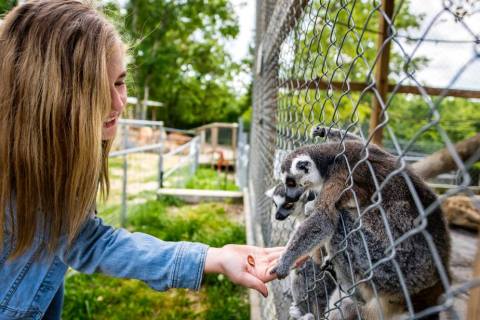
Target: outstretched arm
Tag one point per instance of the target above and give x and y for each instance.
(164, 264)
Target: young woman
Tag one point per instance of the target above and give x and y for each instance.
(62, 91)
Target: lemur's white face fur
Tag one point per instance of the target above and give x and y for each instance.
(305, 172)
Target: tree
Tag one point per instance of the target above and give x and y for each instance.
(179, 55)
(6, 5)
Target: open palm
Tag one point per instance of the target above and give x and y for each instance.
(233, 262)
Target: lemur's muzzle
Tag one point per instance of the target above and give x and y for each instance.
(282, 214)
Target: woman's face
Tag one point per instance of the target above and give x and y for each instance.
(118, 92)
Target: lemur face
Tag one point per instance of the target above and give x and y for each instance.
(284, 207)
(302, 174)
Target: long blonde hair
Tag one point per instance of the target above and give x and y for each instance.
(54, 97)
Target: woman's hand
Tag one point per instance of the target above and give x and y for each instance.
(232, 261)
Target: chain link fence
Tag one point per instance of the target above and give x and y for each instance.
(400, 74)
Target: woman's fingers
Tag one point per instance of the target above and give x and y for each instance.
(253, 282)
(270, 266)
(273, 256)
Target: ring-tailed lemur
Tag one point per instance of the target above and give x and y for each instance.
(368, 260)
(310, 286)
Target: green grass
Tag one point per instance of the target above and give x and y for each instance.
(102, 297)
(206, 178)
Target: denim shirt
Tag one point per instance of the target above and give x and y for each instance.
(29, 283)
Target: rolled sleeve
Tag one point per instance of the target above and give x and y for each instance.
(119, 253)
(189, 265)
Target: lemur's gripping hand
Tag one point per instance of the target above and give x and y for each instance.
(235, 261)
(282, 269)
(319, 131)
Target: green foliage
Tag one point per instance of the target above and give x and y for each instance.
(102, 297)
(411, 117)
(6, 5)
(223, 304)
(205, 223)
(210, 179)
(179, 54)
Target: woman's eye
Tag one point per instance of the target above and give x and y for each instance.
(119, 83)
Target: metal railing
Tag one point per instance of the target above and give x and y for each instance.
(141, 164)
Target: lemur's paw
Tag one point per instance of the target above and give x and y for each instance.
(309, 208)
(308, 316)
(294, 311)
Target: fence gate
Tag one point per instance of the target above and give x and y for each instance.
(401, 74)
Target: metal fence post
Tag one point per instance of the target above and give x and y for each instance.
(160, 160)
(194, 155)
(123, 212)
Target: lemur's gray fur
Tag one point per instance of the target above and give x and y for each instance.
(325, 168)
(309, 297)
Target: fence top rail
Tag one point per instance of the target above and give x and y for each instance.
(181, 148)
(227, 125)
(137, 122)
(135, 150)
(150, 103)
(186, 131)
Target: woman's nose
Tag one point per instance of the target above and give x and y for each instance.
(118, 101)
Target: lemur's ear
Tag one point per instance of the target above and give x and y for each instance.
(303, 165)
(269, 193)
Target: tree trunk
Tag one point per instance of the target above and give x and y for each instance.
(442, 161)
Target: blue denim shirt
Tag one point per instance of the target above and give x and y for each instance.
(29, 283)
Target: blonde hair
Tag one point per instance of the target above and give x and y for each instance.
(54, 97)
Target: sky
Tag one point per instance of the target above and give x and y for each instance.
(446, 59)
(245, 10)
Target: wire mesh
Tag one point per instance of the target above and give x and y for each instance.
(394, 73)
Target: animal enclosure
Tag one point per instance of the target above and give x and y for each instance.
(400, 74)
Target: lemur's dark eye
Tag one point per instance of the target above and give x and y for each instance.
(304, 166)
(290, 183)
(288, 205)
